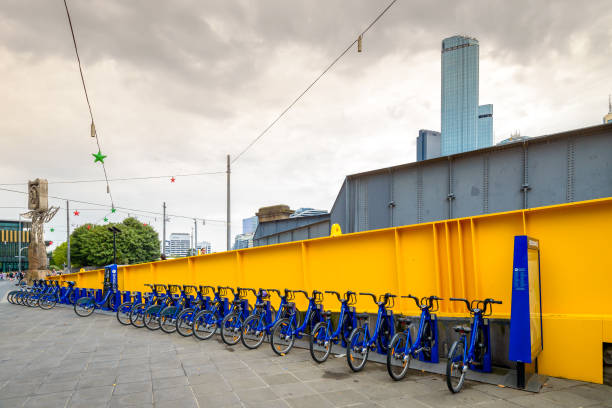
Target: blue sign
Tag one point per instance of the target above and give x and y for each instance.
(111, 272)
(526, 315)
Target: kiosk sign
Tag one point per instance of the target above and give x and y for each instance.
(526, 316)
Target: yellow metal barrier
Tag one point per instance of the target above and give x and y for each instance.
(467, 257)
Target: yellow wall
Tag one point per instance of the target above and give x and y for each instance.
(467, 257)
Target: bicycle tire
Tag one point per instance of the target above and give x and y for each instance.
(231, 329)
(248, 329)
(455, 355)
(71, 297)
(184, 322)
(383, 336)
(32, 300)
(320, 330)
(47, 302)
(84, 306)
(355, 355)
(123, 313)
(279, 334)
(151, 318)
(347, 328)
(398, 342)
(137, 315)
(207, 321)
(9, 297)
(21, 298)
(167, 322)
(112, 302)
(427, 340)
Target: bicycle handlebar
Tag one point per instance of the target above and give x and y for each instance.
(334, 293)
(274, 291)
(369, 294)
(242, 292)
(485, 303)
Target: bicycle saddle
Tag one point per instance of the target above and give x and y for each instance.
(462, 329)
(289, 305)
(403, 319)
(326, 314)
(362, 316)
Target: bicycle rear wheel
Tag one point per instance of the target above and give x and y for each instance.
(204, 325)
(253, 331)
(184, 322)
(84, 306)
(231, 329)
(151, 317)
(47, 302)
(455, 369)
(137, 315)
(32, 300)
(320, 345)
(123, 313)
(283, 337)
(398, 360)
(357, 350)
(71, 297)
(167, 321)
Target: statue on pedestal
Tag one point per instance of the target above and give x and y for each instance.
(40, 213)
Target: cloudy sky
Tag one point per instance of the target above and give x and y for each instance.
(176, 86)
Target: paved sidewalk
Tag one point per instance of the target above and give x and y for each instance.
(56, 359)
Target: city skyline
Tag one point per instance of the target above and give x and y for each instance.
(190, 101)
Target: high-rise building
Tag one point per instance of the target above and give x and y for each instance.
(10, 239)
(428, 144)
(243, 241)
(608, 117)
(204, 247)
(179, 245)
(249, 225)
(460, 110)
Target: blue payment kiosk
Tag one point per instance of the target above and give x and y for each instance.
(110, 280)
(526, 340)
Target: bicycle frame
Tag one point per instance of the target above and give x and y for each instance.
(383, 314)
(345, 309)
(313, 307)
(426, 306)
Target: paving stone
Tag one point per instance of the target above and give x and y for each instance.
(292, 390)
(277, 379)
(344, 397)
(257, 395)
(171, 394)
(89, 382)
(134, 377)
(133, 387)
(58, 399)
(309, 401)
(187, 402)
(139, 399)
(245, 383)
(53, 387)
(225, 399)
(12, 402)
(174, 372)
(171, 382)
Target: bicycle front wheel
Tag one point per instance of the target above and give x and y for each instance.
(184, 323)
(84, 306)
(137, 315)
(398, 360)
(71, 297)
(357, 350)
(32, 300)
(253, 331)
(283, 336)
(231, 329)
(204, 325)
(47, 302)
(455, 368)
(167, 322)
(123, 313)
(320, 344)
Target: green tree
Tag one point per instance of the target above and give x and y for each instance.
(58, 257)
(94, 247)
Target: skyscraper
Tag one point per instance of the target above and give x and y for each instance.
(428, 144)
(460, 110)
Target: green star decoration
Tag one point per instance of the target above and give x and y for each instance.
(113, 209)
(52, 229)
(99, 157)
(105, 219)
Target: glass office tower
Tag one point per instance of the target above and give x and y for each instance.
(485, 126)
(460, 109)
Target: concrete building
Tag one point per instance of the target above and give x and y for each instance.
(243, 241)
(9, 245)
(428, 144)
(608, 118)
(292, 229)
(273, 213)
(249, 225)
(179, 245)
(460, 113)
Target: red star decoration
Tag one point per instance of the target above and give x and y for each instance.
(76, 213)
(172, 180)
(145, 224)
(89, 227)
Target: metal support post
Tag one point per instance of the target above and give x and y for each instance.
(164, 231)
(229, 223)
(195, 238)
(19, 251)
(68, 236)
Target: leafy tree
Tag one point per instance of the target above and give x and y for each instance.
(58, 257)
(136, 243)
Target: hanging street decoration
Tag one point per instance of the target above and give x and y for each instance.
(172, 180)
(76, 212)
(113, 209)
(105, 219)
(52, 229)
(88, 226)
(99, 157)
(145, 224)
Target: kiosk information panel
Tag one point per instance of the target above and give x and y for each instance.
(526, 315)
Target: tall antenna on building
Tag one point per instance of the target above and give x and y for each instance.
(609, 103)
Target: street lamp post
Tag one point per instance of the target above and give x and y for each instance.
(114, 230)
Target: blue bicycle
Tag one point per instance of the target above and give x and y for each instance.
(49, 300)
(205, 322)
(85, 306)
(264, 318)
(324, 336)
(474, 354)
(184, 320)
(287, 329)
(361, 340)
(425, 346)
(231, 325)
(137, 312)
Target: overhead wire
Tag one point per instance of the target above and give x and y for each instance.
(262, 133)
(93, 125)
